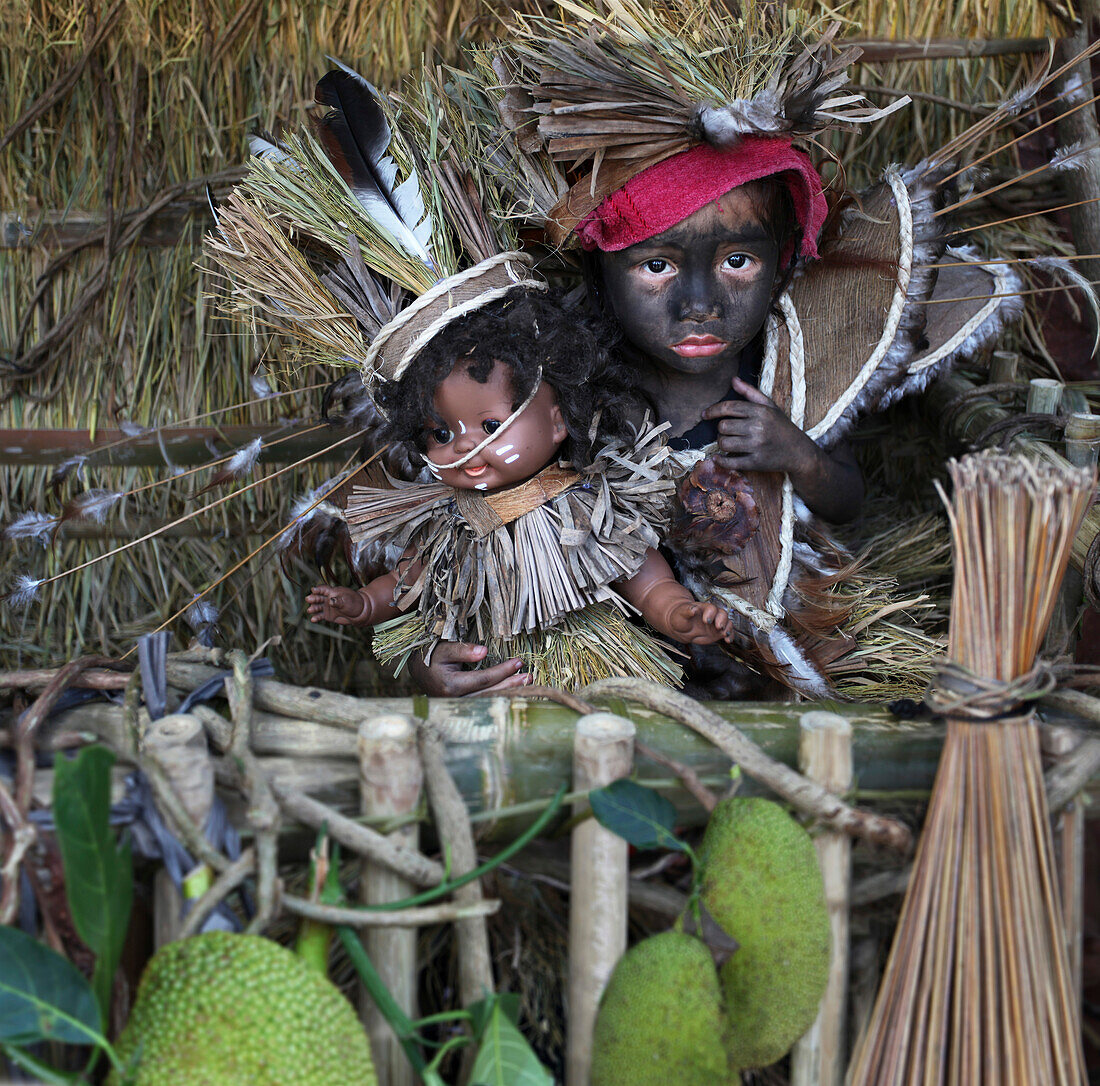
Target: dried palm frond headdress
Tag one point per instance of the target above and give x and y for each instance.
(321, 241)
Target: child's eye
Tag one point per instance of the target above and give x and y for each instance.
(490, 426)
(656, 265)
(738, 261)
(441, 435)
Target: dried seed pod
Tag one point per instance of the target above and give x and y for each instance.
(715, 510)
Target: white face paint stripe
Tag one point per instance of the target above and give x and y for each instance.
(503, 449)
(461, 427)
(481, 486)
(514, 456)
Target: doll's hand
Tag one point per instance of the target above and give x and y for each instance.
(344, 606)
(700, 623)
(446, 676)
(756, 435)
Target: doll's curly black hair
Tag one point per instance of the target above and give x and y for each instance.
(525, 330)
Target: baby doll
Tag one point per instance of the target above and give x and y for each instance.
(543, 526)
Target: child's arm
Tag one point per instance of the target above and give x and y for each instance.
(669, 607)
(755, 435)
(366, 606)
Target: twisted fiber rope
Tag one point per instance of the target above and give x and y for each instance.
(797, 355)
(443, 287)
(959, 694)
(1002, 279)
(894, 314)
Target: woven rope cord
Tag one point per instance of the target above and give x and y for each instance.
(797, 355)
(894, 314)
(442, 288)
(1001, 278)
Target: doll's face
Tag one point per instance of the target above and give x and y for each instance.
(472, 410)
(694, 296)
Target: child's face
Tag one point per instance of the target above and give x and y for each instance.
(471, 411)
(692, 297)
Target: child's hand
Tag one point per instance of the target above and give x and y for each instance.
(700, 623)
(755, 435)
(329, 603)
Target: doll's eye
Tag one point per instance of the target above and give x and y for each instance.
(441, 435)
(490, 426)
(656, 265)
(738, 261)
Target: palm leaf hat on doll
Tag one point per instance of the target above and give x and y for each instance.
(323, 243)
(647, 112)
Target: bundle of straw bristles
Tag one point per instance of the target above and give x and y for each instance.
(977, 988)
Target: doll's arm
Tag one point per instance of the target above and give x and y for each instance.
(669, 607)
(366, 606)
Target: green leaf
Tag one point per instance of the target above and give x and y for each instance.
(43, 996)
(637, 814)
(482, 1011)
(42, 1072)
(504, 1057)
(98, 871)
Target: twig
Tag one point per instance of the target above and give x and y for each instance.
(805, 795)
(364, 841)
(220, 889)
(263, 811)
(879, 885)
(33, 717)
(172, 808)
(475, 972)
(688, 777)
(92, 679)
(21, 836)
(471, 912)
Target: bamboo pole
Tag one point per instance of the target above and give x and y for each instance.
(603, 751)
(1082, 439)
(825, 755)
(1043, 396)
(390, 777)
(1003, 367)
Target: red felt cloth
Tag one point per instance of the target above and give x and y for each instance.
(669, 192)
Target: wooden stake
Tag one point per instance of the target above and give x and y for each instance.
(825, 756)
(1082, 439)
(603, 751)
(1043, 396)
(390, 777)
(179, 743)
(1003, 367)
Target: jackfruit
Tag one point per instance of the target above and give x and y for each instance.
(762, 884)
(660, 1018)
(239, 1010)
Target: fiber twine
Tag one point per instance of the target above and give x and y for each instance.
(957, 693)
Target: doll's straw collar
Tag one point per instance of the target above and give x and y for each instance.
(435, 469)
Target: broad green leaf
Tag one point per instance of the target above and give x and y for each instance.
(504, 1057)
(482, 1011)
(637, 814)
(98, 871)
(42, 1072)
(43, 996)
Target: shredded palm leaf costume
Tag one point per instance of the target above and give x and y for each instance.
(528, 571)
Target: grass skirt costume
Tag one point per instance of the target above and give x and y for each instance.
(528, 571)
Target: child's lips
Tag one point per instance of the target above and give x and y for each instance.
(699, 346)
(475, 471)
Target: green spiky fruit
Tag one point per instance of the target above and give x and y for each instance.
(240, 1010)
(660, 1019)
(762, 883)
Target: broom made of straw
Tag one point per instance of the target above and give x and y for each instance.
(977, 987)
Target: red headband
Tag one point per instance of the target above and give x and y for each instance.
(669, 192)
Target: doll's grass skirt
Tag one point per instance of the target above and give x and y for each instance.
(594, 643)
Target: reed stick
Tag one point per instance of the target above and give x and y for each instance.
(978, 986)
